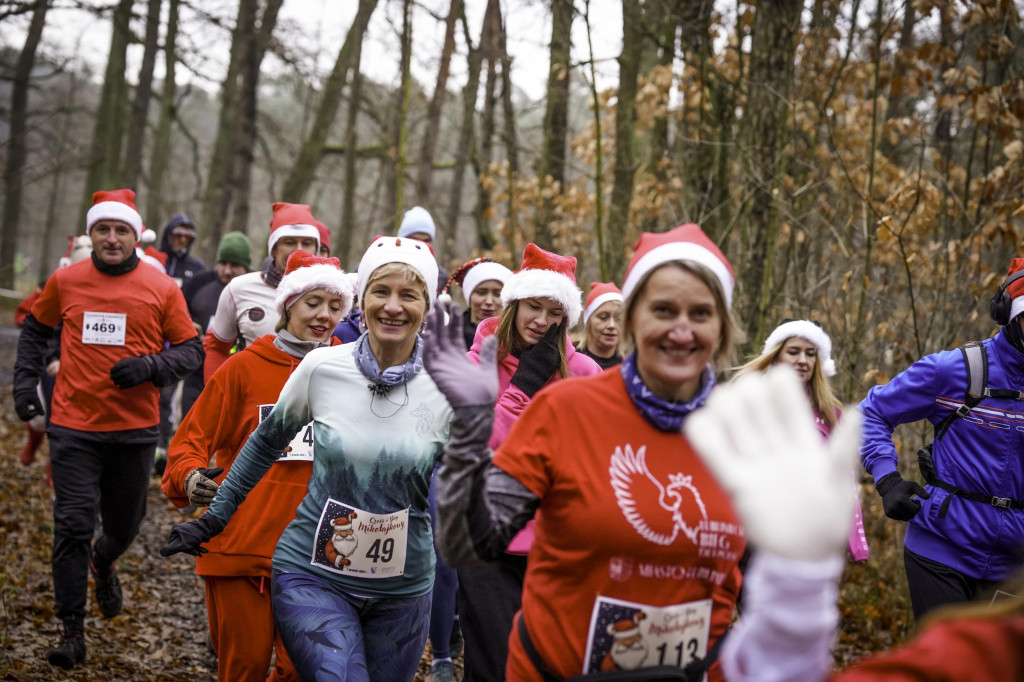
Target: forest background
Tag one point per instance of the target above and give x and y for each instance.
(861, 162)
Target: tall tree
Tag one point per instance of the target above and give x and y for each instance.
(16, 146)
(425, 170)
(556, 114)
(143, 93)
(104, 165)
(399, 122)
(348, 214)
(765, 134)
(304, 169)
(510, 136)
(67, 121)
(625, 133)
(484, 236)
(160, 157)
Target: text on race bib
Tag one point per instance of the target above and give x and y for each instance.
(300, 449)
(104, 329)
(359, 543)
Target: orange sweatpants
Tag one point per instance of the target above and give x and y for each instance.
(242, 630)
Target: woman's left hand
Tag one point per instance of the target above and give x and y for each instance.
(444, 355)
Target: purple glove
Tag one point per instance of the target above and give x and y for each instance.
(444, 355)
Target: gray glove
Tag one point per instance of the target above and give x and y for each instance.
(200, 486)
(444, 355)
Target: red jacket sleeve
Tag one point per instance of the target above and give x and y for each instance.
(217, 353)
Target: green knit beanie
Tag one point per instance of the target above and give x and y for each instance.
(234, 248)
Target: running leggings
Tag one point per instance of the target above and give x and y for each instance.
(332, 635)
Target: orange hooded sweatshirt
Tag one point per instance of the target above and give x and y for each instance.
(215, 429)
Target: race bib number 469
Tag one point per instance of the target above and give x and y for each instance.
(104, 329)
(363, 544)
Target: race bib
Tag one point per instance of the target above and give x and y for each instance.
(104, 329)
(301, 447)
(355, 542)
(626, 636)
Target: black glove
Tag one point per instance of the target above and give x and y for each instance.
(200, 487)
(27, 405)
(538, 362)
(189, 536)
(128, 372)
(898, 496)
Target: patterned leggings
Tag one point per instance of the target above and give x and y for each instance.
(332, 635)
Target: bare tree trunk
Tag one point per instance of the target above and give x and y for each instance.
(662, 24)
(484, 236)
(556, 114)
(143, 93)
(104, 164)
(625, 133)
(396, 179)
(56, 193)
(766, 131)
(425, 172)
(246, 140)
(16, 146)
(304, 169)
(348, 214)
(160, 157)
(598, 152)
(511, 138)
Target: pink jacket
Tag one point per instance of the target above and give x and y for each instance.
(512, 401)
(858, 541)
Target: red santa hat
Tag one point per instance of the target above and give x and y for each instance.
(626, 628)
(600, 293)
(79, 247)
(325, 235)
(343, 522)
(809, 331)
(116, 204)
(1016, 289)
(546, 275)
(292, 220)
(414, 253)
(472, 274)
(684, 243)
(306, 272)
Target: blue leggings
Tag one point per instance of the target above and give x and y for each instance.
(332, 635)
(446, 583)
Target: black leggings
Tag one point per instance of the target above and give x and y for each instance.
(933, 584)
(489, 597)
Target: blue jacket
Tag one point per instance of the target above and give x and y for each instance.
(983, 453)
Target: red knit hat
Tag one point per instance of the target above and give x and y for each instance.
(292, 220)
(600, 293)
(306, 272)
(325, 235)
(684, 243)
(116, 204)
(545, 275)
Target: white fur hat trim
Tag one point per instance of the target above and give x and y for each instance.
(804, 329)
(484, 272)
(531, 283)
(684, 251)
(293, 231)
(320, 276)
(600, 301)
(114, 210)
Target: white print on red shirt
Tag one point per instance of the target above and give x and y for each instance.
(680, 499)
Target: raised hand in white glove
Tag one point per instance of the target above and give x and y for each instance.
(791, 489)
(444, 355)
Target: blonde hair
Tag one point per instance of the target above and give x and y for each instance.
(730, 332)
(818, 389)
(509, 340)
(408, 271)
(582, 345)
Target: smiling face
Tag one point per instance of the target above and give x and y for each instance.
(394, 306)
(535, 316)
(485, 301)
(112, 240)
(677, 326)
(286, 245)
(315, 315)
(801, 355)
(604, 329)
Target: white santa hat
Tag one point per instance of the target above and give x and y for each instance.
(117, 204)
(684, 243)
(292, 220)
(600, 293)
(417, 219)
(78, 248)
(546, 275)
(809, 331)
(414, 253)
(306, 272)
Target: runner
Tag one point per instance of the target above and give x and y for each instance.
(237, 568)
(481, 280)
(635, 558)
(352, 573)
(602, 325)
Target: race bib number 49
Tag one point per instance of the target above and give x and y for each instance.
(363, 544)
(300, 449)
(626, 636)
(104, 329)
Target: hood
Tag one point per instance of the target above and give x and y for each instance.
(176, 220)
(265, 348)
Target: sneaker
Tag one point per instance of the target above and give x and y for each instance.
(456, 643)
(70, 651)
(160, 461)
(442, 671)
(108, 590)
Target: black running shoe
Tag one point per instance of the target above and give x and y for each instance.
(70, 651)
(108, 590)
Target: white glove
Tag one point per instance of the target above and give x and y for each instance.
(791, 489)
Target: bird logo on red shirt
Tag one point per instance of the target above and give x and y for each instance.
(683, 508)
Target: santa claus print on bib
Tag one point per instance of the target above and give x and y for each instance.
(361, 543)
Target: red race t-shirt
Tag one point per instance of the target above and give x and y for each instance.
(107, 318)
(635, 558)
